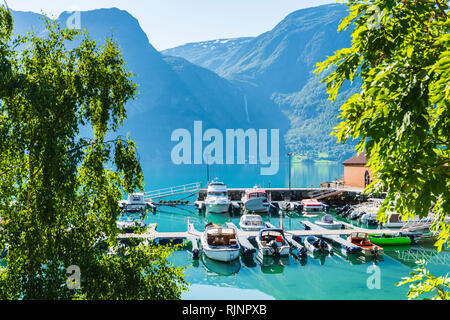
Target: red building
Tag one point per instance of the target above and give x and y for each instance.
(356, 171)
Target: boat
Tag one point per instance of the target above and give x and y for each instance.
(217, 198)
(347, 212)
(312, 206)
(251, 222)
(129, 225)
(316, 245)
(390, 240)
(219, 243)
(328, 222)
(134, 203)
(255, 200)
(369, 219)
(355, 215)
(272, 242)
(362, 240)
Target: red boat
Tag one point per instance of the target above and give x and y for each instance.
(312, 206)
(255, 200)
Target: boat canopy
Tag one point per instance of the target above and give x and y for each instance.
(220, 231)
(271, 231)
(328, 219)
(359, 235)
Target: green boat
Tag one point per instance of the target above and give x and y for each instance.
(390, 240)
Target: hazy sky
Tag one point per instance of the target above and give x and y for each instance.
(169, 23)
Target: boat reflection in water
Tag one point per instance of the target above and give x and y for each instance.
(248, 261)
(221, 268)
(272, 265)
(320, 256)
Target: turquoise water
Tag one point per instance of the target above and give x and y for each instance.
(303, 175)
(331, 277)
(318, 277)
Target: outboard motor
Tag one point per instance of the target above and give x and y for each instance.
(322, 245)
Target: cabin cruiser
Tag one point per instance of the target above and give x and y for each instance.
(272, 242)
(219, 243)
(135, 203)
(251, 222)
(217, 198)
(328, 222)
(312, 206)
(129, 225)
(255, 200)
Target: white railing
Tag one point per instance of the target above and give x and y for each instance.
(167, 192)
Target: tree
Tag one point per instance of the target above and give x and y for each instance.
(59, 192)
(401, 51)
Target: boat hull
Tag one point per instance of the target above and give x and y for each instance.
(311, 248)
(256, 205)
(394, 241)
(217, 208)
(222, 255)
(330, 226)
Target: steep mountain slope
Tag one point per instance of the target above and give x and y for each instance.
(173, 93)
(278, 65)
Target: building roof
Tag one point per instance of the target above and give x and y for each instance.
(357, 160)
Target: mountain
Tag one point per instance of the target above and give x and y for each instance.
(173, 93)
(263, 82)
(278, 65)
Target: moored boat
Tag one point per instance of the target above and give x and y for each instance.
(217, 198)
(312, 206)
(134, 203)
(369, 219)
(255, 200)
(390, 240)
(219, 243)
(251, 222)
(361, 239)
(316, 245)
(272, 242)
(328, 222)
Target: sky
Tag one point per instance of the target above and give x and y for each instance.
(170, 23)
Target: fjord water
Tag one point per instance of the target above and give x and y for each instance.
(331, 277)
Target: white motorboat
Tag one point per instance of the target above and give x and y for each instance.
(255, 200)
(129, 225)
(135, 203)
(251, 222)
(271, 242)
(217, 198)
(312, 206)
(219, 243)
(328, 222)
(369, 219)
(317, 245)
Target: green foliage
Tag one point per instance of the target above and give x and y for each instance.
(59, 193)
(422, 282)
(402, 113)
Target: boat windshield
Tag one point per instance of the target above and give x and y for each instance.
(256, 195)
(359, 235)
(253, 221)
(217, 194)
